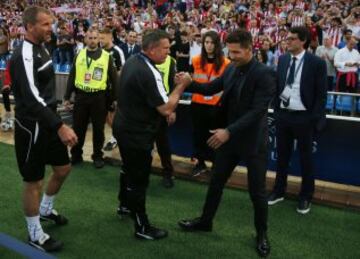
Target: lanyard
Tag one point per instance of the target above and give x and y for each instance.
(88, 61)
(296, 70)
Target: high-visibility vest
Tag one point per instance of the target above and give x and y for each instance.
(206, 75)
(164, 69)
(92, 78)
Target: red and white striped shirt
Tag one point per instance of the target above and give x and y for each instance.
(297, 21)
(254, 31)
(335, 33)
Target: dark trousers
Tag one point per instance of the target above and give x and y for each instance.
(134, 183)
(203, 118)
(343, 85)
(225, 162)
(286, 133)
(89, 106)
(6, 99)
(163, 148)
(331, 84)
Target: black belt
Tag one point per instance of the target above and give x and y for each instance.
(293, 111)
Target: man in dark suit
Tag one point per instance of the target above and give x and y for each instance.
(299, 112)
(241, 135)
(130, 47)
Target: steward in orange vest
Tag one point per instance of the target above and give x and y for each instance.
(204, 74)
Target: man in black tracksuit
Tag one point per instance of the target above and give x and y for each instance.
(142, 101)
(92, 73)
(40, 135)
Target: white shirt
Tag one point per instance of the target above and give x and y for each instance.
(328, 55)
(295, 98)
(343, 56)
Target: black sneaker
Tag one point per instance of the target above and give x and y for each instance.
(262, 245)
(303, 207)
(148, 232)
(46, 244)
(110, 146)
(168, 182)
(98, 163)
(274, 198)
(76, 160)
(123, 211)
(198, 169)
(55, 217)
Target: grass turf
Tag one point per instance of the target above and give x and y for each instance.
(88, 199)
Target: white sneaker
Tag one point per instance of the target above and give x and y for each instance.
(10, 122)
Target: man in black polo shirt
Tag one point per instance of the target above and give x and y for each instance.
(142, 101)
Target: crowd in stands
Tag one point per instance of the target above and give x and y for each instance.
(334, 22)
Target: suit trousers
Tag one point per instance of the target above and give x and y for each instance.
(89, 106)
(225, 162)
(286, 134)
(163, 148)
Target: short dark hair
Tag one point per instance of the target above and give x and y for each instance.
(30, 15)
(152, 37)
(348, 31)
(240, 36)
(303, 34)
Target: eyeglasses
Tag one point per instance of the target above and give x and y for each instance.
(291, 38)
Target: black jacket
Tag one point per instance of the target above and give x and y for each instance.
(244, 103)
(33, 85)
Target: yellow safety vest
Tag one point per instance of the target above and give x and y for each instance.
(92, 78)
(164, 69)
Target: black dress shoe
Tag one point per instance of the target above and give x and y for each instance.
(262, 245)
(195, 225)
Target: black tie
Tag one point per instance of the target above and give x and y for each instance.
(130, 50)
(291, 78)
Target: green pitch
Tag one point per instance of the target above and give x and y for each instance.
(89, 200)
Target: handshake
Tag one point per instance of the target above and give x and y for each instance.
(183, 78)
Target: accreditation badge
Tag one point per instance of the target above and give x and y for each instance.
(286, 93)
(87, 78)
(98, 73)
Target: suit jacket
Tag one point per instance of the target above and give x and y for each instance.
(247, 121)
(125, 49)
(313, 87)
